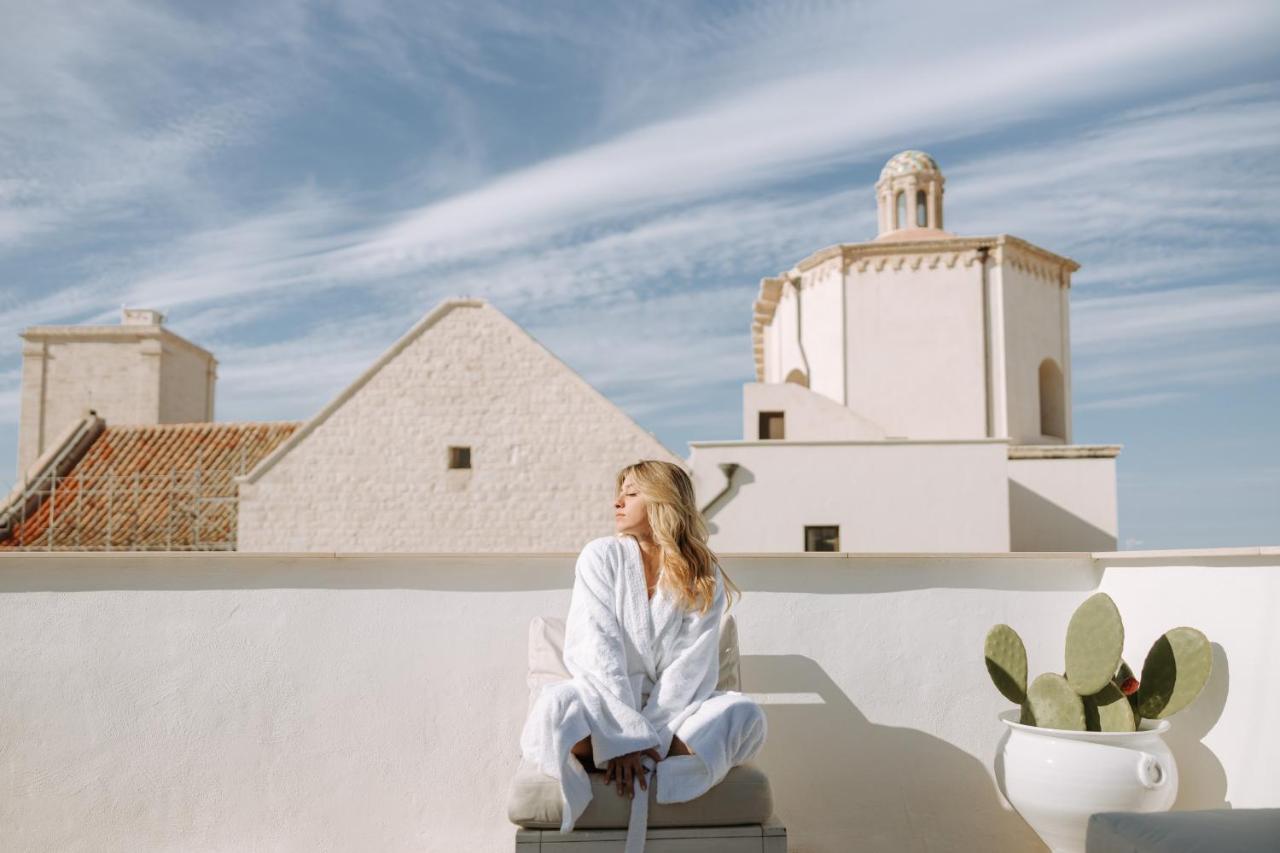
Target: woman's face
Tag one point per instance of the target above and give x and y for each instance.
(630, 513)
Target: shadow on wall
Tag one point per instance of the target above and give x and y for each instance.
(1039, 524)
(900, 789)
(1202, 781)
(741, 477)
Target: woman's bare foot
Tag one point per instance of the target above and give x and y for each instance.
(678, 747)
(582, 751)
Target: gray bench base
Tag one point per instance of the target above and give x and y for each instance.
(767, 837)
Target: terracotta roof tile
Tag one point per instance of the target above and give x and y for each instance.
(165, 487)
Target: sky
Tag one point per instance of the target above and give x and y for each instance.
(294, 184)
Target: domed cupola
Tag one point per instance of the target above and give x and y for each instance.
(909, 198)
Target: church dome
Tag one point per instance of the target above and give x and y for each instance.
(908, 163)
(909, 198)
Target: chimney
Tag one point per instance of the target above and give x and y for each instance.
(138, 372)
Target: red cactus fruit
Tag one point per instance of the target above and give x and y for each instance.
(1130, 686)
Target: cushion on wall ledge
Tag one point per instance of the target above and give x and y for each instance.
(742, 797)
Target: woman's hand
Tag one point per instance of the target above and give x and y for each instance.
(626, 770)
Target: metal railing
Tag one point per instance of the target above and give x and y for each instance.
(192, 509)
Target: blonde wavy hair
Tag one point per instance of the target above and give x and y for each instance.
(688, 565)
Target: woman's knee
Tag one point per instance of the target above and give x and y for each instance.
(561, 697)
(748, 718)
(744, 709)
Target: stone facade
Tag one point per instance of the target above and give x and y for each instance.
(137, 373)
(371, 471)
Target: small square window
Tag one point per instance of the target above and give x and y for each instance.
(822, 538)
(459, 457)
(772, 425)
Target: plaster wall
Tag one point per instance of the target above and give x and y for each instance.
(787, 354)
(885, 496)
(186, 386)
(822, 304)
(1063, 504)
(915, 348)
(808, 415)
(1034, 330)
(292, 702)
(374, 475)
(120, 379)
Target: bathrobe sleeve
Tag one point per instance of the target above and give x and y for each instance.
(595, 655)
(690, 672)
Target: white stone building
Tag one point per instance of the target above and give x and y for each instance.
(467, 435)
(135, 373)
(913, 393)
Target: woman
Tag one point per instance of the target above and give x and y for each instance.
(642, 647)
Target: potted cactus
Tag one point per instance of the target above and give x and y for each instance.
(1089, 740)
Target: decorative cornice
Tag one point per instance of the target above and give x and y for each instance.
(67, 334)
(765, 305)
(910, 255)
(842, 442)
(1064, 451)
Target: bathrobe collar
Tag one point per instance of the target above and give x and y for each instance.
(653, 617)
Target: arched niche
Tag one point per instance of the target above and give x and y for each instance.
(1053, 404)
(798, 377)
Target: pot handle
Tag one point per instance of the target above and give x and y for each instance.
(1151, 771)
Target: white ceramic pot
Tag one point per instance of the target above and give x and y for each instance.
(1056, 779)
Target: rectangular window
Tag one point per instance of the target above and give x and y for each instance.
(459, 457)
(822, 538)
(772, 425)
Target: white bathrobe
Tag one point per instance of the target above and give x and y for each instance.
(643, 670)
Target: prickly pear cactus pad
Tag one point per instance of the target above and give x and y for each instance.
(1095, 641)
(1007, 662)
(1108, 710)
(1175, 671)
(1054, 705)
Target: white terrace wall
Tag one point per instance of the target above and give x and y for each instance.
(238, 701)
(909, 496)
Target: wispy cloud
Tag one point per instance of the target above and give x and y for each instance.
(772, 132)
(292, 378)
(749, 131)
(1136, 401)
(1132, 321)
(295, 182)
(1176, 366)
(106, 107)
(1168, 191)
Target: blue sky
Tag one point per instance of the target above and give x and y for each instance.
(294, 184)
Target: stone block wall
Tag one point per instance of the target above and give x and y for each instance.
(371, 474)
